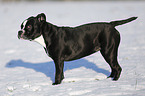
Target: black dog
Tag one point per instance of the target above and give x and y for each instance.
(71, 43)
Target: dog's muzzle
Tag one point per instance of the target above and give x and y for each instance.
(21, 34)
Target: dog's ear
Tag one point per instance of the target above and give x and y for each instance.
(41, 17)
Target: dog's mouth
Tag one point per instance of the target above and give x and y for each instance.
(22, 36)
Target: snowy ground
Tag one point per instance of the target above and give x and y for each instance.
(25, 69)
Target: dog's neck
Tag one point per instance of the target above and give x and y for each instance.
(40, 40)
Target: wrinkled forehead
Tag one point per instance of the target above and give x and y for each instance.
(30, 20)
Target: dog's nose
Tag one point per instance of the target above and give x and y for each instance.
(19, 34)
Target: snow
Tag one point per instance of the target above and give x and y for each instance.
(26, 70)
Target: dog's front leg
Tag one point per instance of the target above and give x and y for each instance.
(59, 76)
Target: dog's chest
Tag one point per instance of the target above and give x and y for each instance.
(40, 40)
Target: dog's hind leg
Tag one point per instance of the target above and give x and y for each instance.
(109, 52)
(111, 58)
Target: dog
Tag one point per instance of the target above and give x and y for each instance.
(71, 43)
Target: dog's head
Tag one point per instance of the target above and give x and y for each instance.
(30, 28)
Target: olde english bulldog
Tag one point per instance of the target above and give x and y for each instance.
(71, 43)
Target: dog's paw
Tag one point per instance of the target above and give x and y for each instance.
(55, 83)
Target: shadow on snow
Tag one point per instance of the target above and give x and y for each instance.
(48, 68)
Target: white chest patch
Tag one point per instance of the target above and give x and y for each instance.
(40, 40)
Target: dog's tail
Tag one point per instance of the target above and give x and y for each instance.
(120, 22)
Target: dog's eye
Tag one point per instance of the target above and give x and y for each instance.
(29, 26)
